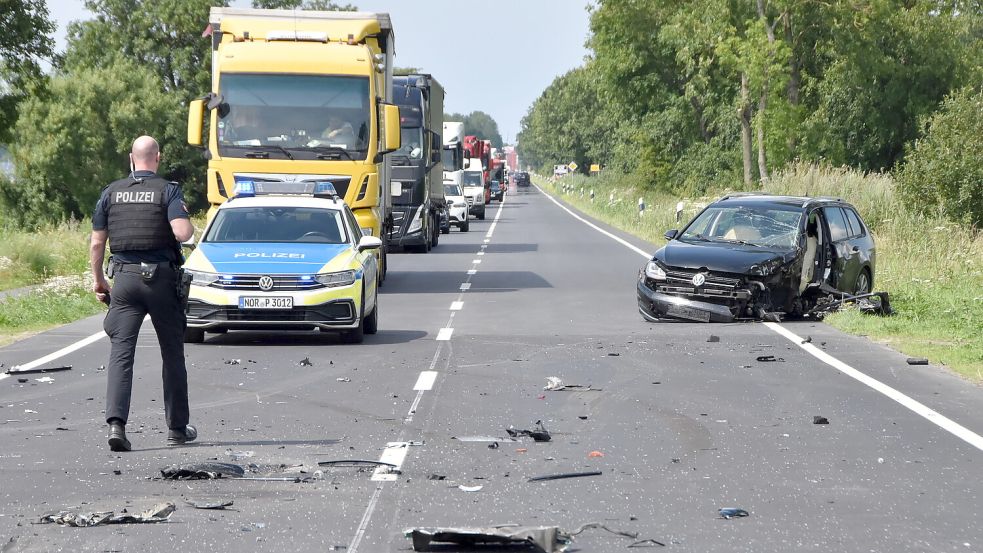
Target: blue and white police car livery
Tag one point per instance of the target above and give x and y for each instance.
(293, 262)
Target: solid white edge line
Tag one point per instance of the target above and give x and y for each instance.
(445, 334)
(457, 306)
(425, 381)
(60, 353)
(915, 406)
(595, 227)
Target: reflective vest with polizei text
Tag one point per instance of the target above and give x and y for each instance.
(138, 215)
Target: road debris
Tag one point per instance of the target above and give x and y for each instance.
(202, 471)
(470, 489)
(582, 417)
(23, 380)
(808, 340)
(614, 355)
(769, 359)
(561, 476)
(733, 512)
(158, 513)
(713, 339)
(217, 504)
(595, 453)
(45, 380)
(555, 384)
(233, 361)
(493, 445)
(539, 434)
(16, 370)
(306, 362)
(355, 463)
(817, 419)
(482, 439)
(545, 539)
(917, 361)
(646, 543)
(343, 379)
(436, 476)
(237, 455)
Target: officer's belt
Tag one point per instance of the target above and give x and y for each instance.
(135, 267)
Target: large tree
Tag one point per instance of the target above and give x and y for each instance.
(480, 124)
(24, 42)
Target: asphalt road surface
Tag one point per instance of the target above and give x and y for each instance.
(678, 426)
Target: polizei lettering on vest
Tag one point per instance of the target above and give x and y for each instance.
(138, 197)
(263, 255)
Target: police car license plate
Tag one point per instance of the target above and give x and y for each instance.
(265, 302)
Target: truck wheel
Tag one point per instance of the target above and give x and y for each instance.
(436, 233)
(481, 215)
(466, 225)
(194, 336)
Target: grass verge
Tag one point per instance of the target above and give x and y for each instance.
(31, 257)
(933, 268)
(59, 301)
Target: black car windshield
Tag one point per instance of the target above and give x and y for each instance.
(472, 178)
(770, 226)
(277, 224)
(294, 116)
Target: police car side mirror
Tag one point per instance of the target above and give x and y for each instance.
(369, 243)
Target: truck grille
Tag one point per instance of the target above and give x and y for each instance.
(281, 283)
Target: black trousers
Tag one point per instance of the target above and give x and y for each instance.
(132, 299)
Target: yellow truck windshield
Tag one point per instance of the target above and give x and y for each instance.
(294, 116)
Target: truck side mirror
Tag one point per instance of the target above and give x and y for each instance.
(391, 128)
(196, 117)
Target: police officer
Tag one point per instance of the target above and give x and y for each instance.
(144, 218)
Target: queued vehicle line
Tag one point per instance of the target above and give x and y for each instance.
(396, 452)
(920, 409)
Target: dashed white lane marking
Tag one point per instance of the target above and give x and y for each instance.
(915, 406)
(426, 380)
(394, 454)
(60, 353)
(466, 286)
(457, 306)
(481, 253)
(444, 334)
(473, 271)
(475, 261)
(487, 240)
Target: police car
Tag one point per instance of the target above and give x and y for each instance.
(295, 262)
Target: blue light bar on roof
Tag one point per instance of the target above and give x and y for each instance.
(325, 189)
(244, 188)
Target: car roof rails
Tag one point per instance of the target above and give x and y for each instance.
(742, 194)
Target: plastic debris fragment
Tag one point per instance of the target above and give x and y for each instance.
(817, 419)
(306, 362)
(733, 512)
(539, 434)
(158, 513)
(547, 477)
(202, 471)
(917, 361)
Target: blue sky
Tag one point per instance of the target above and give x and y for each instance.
(498, 62)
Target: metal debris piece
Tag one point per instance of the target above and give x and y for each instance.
(45, 380)
(545, 539)
(769, 359)
(646, 543)
(614, 355)
(816, 419)
(874, 303)
(733, 512)
(482, 439)
(306, 362)
(202, 471)
(358, 463)
(539, 434)
(561, 476)
(210, 503)
(554, 384)
(158, 513)
(472, 489)
(917, 361)
(712, 338)
(16, 370)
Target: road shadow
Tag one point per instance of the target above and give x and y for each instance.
(307, 337)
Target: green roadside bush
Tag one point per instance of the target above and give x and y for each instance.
(944, 169)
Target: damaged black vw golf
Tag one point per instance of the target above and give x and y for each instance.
(755, 256)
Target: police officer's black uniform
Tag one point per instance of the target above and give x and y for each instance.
(145, 266)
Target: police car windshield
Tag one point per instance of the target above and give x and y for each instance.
(278, 224)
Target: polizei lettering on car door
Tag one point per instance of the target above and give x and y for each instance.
(263, 255)
(139, 197)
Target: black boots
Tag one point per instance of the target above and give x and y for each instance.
(117, 437)
(181, 435)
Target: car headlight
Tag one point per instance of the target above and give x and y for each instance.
(654, 272)
(202, 278)
(340, 278)
(417, 222)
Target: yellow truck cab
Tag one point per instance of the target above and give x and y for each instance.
(298, 98)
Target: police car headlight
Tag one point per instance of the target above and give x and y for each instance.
(202, 278)
(654, 272)
(417, 222)
(341, 278)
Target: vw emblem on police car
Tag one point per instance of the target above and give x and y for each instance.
(266, 283)
(698, 279)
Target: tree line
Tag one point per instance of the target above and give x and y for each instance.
(684, 95)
